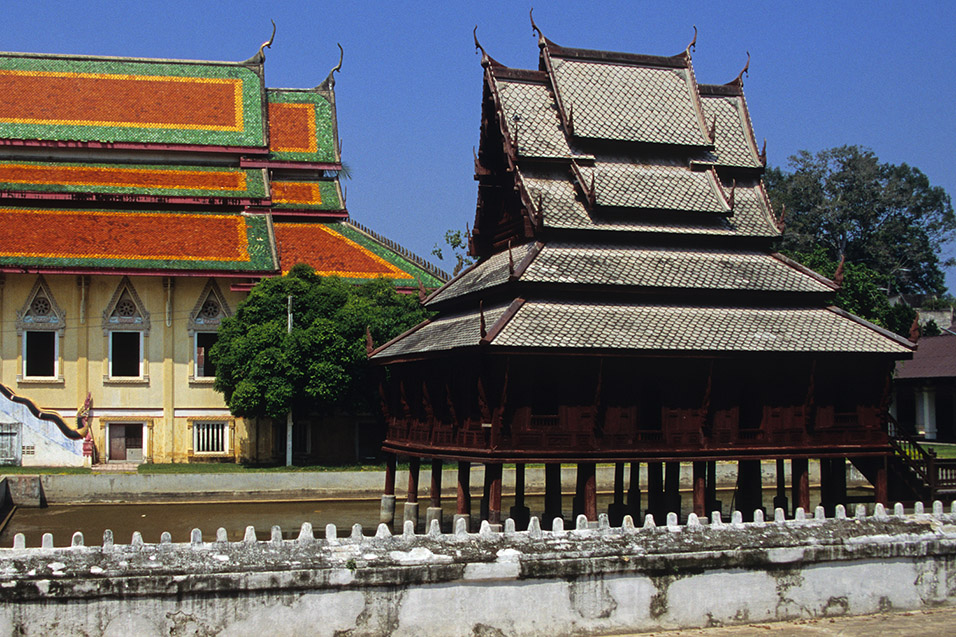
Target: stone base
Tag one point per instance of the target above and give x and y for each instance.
(462, 516)
(521, 516)
(411, 513)
(387, 511)
(432, 513)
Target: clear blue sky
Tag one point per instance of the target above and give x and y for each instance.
(878, 74)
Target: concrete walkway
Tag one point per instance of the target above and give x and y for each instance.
(926, 623)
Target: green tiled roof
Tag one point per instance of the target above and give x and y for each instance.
(324, 121)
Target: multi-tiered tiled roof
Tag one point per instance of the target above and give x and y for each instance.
(139, 165)
(621, 209)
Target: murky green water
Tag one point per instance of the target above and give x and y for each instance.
(179, 519)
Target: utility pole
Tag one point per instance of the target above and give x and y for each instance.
(288, 418)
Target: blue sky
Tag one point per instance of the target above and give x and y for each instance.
(823, 74)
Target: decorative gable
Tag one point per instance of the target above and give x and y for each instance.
(41, 311)
(125, 310)
(209, 310)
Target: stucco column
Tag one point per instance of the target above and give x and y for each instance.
(926, 411)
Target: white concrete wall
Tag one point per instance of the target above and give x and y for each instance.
(50, 445)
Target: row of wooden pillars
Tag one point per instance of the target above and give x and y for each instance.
(663, 494)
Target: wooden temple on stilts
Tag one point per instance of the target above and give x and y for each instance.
(627, 308)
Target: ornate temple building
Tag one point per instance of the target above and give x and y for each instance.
(140, 201)
(627, 307)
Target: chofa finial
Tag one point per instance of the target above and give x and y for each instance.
(693, 43)
(534, 27)
(329, 82)
(746, 70)
(268, 44)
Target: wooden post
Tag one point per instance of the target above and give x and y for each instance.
(494, 493)
(655, 490)
(436, 484)
(700, 495)
(463, 506)
(634, 493)
(552, 494)
(672, 488)
(390, 474)
(880, 487)
(617, 509)
(414, 464)
(838, 476)
(800, 478)
(589, 493)
(519, 485)
(780, 500)
(387, 509)
(520, 513)
(712, 503)
(749, 488)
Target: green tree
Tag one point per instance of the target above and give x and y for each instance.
(456, 242)
(262, 369)
(884, 216)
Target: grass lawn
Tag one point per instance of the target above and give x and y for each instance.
(7, 470)
(942, 450)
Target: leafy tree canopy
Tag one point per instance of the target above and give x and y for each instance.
(886, 217)
(456, 242)
(263, 370)
(862, 292)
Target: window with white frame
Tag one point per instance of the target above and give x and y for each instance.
(210, 436)
(40, 324)
(126, 354)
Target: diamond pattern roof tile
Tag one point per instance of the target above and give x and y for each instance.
(454, 331)
(733, 143)
(530, 111)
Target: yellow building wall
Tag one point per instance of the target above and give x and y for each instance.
(169, 397)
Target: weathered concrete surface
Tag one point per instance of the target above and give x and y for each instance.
(66, 489)
(939, 622)
(24, 490)
(578, 582)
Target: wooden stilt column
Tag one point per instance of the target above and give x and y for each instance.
(411, 500)
(838, 476)
(700, 491)
(434, 510)
(800, 477)
(588, 485)
(463, 503)
(780, 500)
(655, 490)
(552, 494)
(387, 511)
(493, 483)
(672, 488)
(881, 487)
(519, 512)
(826, 486)
(711, 487)
(749, 488)
(634, 493)
(617, 509)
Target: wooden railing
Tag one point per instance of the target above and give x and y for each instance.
(936, 475)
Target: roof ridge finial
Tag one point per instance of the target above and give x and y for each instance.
(268, 44)
(534, 27)
(839, 274)
(739, 81)
(478, 47)
(693, 43)
(763, 152)
(329, 82)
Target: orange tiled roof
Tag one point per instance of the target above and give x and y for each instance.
(330, 253)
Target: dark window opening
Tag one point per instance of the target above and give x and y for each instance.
(204, 342)
(126, 357)
(41, 354)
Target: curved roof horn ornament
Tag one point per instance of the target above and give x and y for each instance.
(542, 41)
(693, 43)
(329, 82)
(260, 55)
(739, 81)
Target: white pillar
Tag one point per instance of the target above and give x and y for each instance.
(926, 412)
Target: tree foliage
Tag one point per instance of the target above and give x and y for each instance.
(862, 292)
(263, 370)
(456, 242)
(886, 217)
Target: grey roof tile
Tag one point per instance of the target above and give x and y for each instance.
(630, 103)
(489, 273)
(660, 267)
(682, 328)
(530, 111)
(563, 208)
(462, 329)
(623, 182)
(734, 143)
